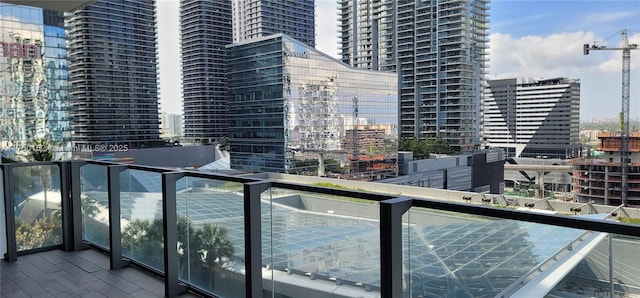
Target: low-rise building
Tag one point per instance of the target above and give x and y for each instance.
(599, 179)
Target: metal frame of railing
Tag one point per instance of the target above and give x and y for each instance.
(392, 209)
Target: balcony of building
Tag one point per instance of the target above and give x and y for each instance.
(89, 227)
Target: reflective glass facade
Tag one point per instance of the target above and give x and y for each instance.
(290, 102)
(33, 80)
(439, 49)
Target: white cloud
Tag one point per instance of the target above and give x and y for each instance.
(539, 56)
(560, 55)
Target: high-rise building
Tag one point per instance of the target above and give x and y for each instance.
(533, 118)
(290, 103)
(33, 81)
(171, 125)
(113, 73)
(257, 18)
(205, 30)
(206, 27)
(438, 49)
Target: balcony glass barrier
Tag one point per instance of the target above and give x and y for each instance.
(95, 204)
(141, 217)
(3, 219)
(211, 235)
(462, 255)
(38, 213)
(330, 244)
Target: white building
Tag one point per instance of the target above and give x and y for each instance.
(533, 118)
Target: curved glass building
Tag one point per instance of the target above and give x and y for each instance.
(33, 80)
(290, 103)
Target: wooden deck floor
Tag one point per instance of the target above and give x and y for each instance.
(75, 274)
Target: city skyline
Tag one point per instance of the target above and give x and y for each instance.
(527, 39)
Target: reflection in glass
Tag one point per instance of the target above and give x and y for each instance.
(332, 240)
(95, 204)
(292, 107)
(141, 217)
(37, 206)
(211, 235)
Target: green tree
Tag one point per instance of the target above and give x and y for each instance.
(43, 232)
(224, 143)
(215, 246)
(422, 148)
(143, 240)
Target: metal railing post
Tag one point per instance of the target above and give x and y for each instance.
(391, 212)
(172, 287)
(66, 206)
(115, 232)
(252, 237)
(75, 187)
(10, 214)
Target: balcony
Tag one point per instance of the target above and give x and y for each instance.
(235, 236)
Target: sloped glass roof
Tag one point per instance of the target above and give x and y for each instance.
(470, 257)
(450, 254)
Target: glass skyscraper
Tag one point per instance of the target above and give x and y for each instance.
(33, 80)
(205, 30)
(438, 49)
(113, 74)
(290, 102)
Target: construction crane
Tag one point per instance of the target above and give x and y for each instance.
(624, 114)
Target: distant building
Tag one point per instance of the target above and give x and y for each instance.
(533, 118)
(204, 59)
(113, 73)
(598, 179)
(258, 18)
(171, 125)
(289, 101)
(481, 172)
(438, 49)
(34, 98)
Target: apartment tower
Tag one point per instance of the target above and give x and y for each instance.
(205, 30)
(257, 18)
(533, 118)
(438, 49)
(206, 27)
(113, 74)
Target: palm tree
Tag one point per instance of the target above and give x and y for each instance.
(143, 239)
(214, 247)
(188, 245)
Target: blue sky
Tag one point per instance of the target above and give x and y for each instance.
(521, 18)
(544, 39)
(539, 39)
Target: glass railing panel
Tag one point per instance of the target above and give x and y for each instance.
(328, 241)
(94, 197)
(211, 235)
(38, 209)
(141, 217)
(3, 220)
(612, 264)
(451, 254)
